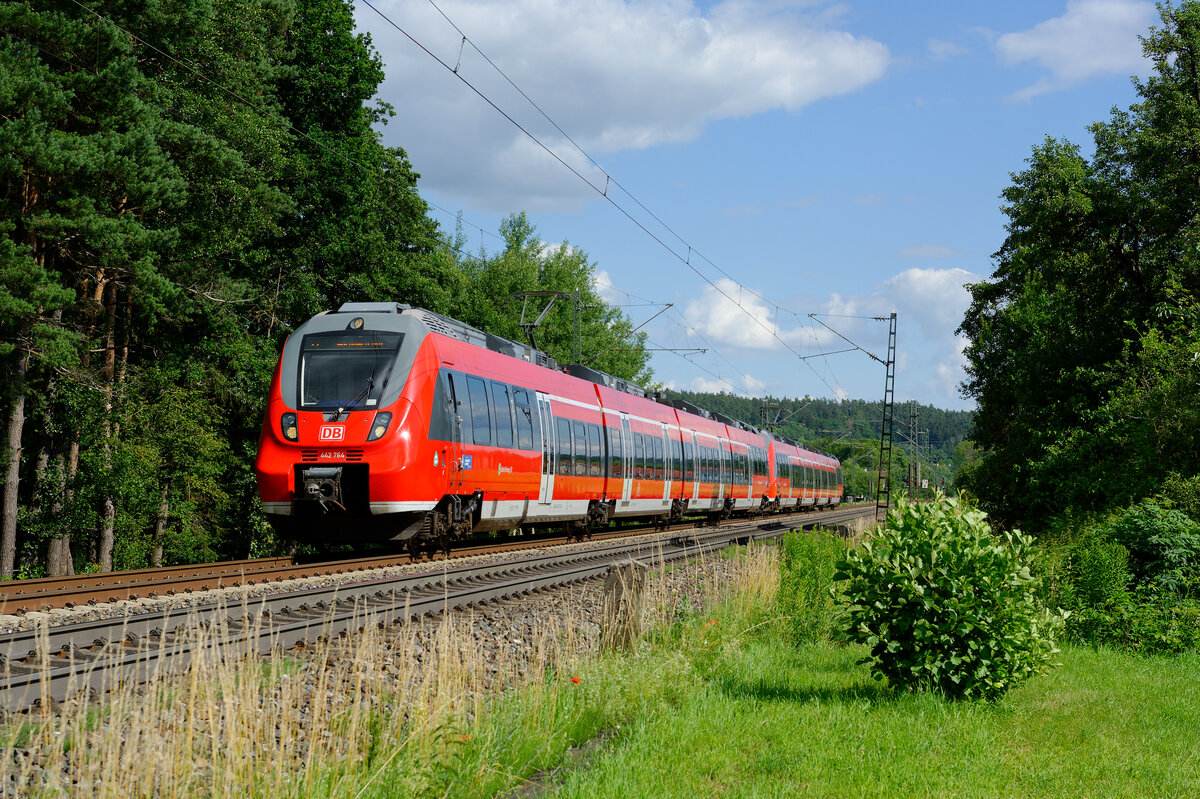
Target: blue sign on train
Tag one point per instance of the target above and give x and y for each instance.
(466, 461)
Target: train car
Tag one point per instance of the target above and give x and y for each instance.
(804, 478)
(391, 423)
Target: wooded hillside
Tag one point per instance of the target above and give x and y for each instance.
(1085, 342)
(183, 184)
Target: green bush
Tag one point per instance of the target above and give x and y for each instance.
(1094, 588)
(1183, 494)
(946, 604)
(1163, 544)
(804, 603)
(1098, 575)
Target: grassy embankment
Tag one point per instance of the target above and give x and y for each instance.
(713, 704)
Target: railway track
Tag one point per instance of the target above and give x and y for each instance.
(52, 664)
(19, 597)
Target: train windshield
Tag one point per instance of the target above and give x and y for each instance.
(345, 369)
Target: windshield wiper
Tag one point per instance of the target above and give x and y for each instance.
(357, 397)
(360, 396)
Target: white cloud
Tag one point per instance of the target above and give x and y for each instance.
(729, 316)
(616, 75)
(1093, 37)
(940, 50)
(703, 385)
(929, 304)
(603, 285)
(951, 370)
(935, 298)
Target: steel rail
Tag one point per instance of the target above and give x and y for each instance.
(51, 665)
(23, 596)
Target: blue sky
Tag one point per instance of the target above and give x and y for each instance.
(841, 158)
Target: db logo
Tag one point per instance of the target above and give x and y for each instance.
(333, 433)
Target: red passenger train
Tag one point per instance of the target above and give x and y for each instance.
(391, 423)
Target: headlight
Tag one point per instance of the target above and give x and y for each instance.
(380, 425)
(287, 423)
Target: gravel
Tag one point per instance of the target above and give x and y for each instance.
(233, 596)
(494, 647)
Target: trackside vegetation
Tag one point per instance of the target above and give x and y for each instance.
(946, 604)
(1082, 344)
(181, 185)
(720, 698)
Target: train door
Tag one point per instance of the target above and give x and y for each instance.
(546, 420)
(627, 446)
(694, 465)
(447, 462)
(667, 463)
(722, 465)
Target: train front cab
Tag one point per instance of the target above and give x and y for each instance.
(340, 449)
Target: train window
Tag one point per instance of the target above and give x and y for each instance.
(503, 406)
(581, 443)
(345, 368)
(659, 471)
(687, 461)
(638, 456)
(524, 416)
(677, 462)
(458, 407)
(616, 459)
(595, 452)
(481, 420)
(564, 446)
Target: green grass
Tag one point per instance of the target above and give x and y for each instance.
(775, 721)
(713, 703)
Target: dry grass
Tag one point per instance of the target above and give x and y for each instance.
(414, 709)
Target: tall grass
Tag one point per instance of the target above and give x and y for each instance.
(805, 604)
(423, 709)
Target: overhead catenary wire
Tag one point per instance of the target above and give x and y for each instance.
(458, 216)
(608, 177)
(690, 331)
(602, 192)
